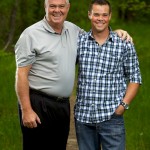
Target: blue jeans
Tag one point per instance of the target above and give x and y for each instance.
(107, 135)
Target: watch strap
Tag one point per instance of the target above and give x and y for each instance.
(125, 105)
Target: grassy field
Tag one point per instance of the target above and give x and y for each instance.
(136, 118)
(10, 138)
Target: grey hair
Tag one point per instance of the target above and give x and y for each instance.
(67, 1)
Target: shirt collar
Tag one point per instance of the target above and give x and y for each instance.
(110, 37)
(50, 29)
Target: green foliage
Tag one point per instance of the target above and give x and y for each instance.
(137, 121)
(132, 10)
(5, 22)
(78, 13)
(10, 135)
(28, 12)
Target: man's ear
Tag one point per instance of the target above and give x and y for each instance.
(110, 16)
(89, 15)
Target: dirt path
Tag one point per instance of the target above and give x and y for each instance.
(72, 143)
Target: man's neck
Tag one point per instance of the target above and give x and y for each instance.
(56, 27)
(101, 37)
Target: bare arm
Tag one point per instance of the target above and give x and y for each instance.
(29, 117)
(131, 92)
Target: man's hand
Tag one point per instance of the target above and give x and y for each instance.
(120, 110)
(30, 119)
(124, 35)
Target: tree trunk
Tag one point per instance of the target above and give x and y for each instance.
(12, 24)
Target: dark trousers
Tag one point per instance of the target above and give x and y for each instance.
(52, 133)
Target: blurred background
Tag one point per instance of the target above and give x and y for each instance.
(130, 15)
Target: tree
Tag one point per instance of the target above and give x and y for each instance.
(16, 15)
(12, 23)
(131, 10)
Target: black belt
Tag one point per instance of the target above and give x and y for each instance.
(54, 98)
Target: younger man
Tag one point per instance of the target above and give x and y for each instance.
(108, 80)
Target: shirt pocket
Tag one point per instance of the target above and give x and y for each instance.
(109, 63)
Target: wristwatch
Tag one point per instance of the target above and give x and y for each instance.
(126, 106)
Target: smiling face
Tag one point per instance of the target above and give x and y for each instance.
(100, 16)
(56, 11)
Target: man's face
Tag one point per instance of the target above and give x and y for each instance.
(56, 11)
(100, 17)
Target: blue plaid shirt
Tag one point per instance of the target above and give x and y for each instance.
(104, 71)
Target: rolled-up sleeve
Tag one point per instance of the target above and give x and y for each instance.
(25, 54)
(131, 64)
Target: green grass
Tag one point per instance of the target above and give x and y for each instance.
(137, 117)
(10, 137)
(137, 120)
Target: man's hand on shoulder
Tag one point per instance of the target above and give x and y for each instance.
(124, 35)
